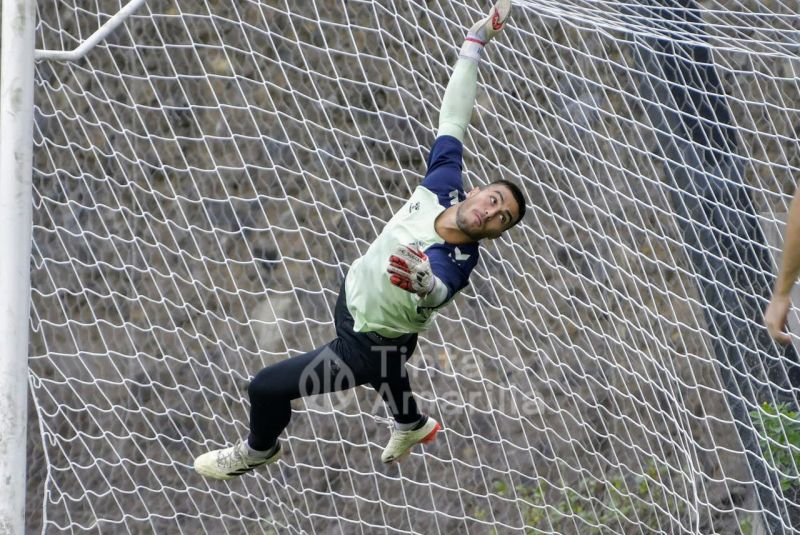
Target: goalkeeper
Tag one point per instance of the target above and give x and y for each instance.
(421, 259)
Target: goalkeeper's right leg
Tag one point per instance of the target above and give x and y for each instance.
(271, 392)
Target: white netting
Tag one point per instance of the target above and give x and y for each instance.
(204, 177)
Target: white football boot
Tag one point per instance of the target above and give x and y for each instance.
(231, 462)
(401, 442)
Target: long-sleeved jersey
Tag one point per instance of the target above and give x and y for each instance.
(374, 302)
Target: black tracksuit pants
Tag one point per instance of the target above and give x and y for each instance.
(351, 359)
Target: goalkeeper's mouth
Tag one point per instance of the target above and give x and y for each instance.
(478, 218)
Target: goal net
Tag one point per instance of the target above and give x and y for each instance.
(204, 177)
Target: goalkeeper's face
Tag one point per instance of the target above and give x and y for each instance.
(487, 212)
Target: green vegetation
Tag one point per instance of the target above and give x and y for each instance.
(616, 501)
(779, 437)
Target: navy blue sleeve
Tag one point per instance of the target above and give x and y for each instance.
(444, 170)
(453, 264)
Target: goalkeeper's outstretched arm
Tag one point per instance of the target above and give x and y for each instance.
(459, 97)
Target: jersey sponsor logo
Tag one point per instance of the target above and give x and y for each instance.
(460, 257)
(413, 207)
(326, 372)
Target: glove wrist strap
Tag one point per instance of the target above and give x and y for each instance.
(436, 297)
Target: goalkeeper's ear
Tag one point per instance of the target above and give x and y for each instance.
(519, 198)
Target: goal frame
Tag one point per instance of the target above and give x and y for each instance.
(16, 163)
(17, 63)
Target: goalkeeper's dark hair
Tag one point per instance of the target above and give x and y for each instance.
(518, 196)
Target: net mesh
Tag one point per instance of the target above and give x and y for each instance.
(206, 175)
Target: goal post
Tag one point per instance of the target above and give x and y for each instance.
(16, 130)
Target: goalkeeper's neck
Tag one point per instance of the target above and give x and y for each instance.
(446, 226)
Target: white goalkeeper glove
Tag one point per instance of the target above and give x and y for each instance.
(410, 270)
(487, 28)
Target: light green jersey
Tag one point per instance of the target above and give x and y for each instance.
(373, 301)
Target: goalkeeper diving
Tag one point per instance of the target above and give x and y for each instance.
(420, 260)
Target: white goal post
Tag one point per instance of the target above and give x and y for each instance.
(204, 173)
(16, 127)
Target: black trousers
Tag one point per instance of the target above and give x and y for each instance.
(351, 359)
